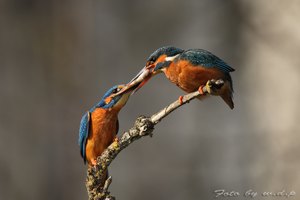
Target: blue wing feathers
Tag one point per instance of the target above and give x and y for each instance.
(84, 133)
(206, 59)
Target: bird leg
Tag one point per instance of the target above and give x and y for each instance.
(116, 139)
(200, 90)
(94, 162)
(180, 99)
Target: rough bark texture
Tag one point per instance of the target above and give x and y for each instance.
(143, 126)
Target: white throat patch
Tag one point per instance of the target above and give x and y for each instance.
(171, 58)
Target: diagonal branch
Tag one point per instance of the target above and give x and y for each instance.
(143, 126)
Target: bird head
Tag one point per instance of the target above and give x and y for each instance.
(157, 62)
(113, 99)
(162, 58)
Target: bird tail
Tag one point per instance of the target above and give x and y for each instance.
(227, 97)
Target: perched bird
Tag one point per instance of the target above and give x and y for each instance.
(99, 125)
(188, 69)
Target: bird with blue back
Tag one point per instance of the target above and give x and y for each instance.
(189, 69)
(99, 126)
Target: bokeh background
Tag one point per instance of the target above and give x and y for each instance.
(57, 58)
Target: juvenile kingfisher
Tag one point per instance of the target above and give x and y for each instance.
(99, 126)
(188, 69)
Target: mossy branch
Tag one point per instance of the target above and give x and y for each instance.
(143, 126)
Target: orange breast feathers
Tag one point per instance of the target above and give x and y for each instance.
(103, 129)
(188, 77)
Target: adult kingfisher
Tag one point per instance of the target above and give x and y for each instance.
(188, 69)
(99, 126)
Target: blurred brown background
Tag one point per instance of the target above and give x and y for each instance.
(57, 58)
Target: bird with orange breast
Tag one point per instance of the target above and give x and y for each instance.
(99, 126)
(188, 69)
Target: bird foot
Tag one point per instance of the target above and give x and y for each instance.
(200, 90)
(180, 99)
(115, 143)
(213, 86)
(116, 139)
(94, 162)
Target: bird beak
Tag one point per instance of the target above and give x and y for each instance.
(139, 80)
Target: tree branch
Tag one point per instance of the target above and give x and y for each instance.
(143, 126)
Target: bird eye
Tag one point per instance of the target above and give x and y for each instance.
(149, 63)
(116, 90)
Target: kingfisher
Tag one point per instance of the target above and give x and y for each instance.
(99, 126)
(189, 69)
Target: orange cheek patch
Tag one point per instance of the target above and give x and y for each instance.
(161, 58)
(108, 100)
